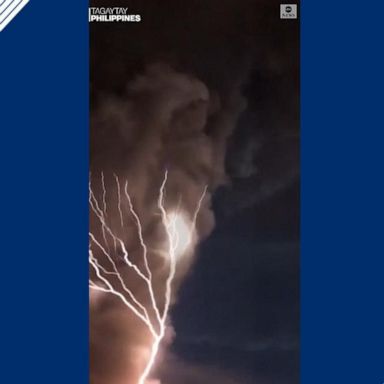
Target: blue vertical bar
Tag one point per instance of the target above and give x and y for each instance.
(43, 194)
(342, 325)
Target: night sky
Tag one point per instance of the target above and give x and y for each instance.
(239, 308)
(236, 319)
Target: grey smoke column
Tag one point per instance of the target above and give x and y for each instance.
(165, 121)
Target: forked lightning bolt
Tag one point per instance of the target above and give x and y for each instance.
(171, 222)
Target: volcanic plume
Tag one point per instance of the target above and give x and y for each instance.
(160, 145)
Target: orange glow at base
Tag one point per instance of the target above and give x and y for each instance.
(179, 235)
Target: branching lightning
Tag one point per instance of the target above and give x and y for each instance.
(179, 236)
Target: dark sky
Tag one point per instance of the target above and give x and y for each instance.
(239, 308)
(237, 317)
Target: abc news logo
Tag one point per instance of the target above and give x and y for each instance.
(288, 11)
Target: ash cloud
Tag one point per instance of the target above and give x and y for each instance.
(176, 370)
(166, 120)
(180, 115)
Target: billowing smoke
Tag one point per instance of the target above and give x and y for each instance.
(165, 121)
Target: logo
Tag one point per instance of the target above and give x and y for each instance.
(288, 11)
(9, 9)
(111, 14)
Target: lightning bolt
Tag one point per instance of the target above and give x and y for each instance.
(105, 276)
